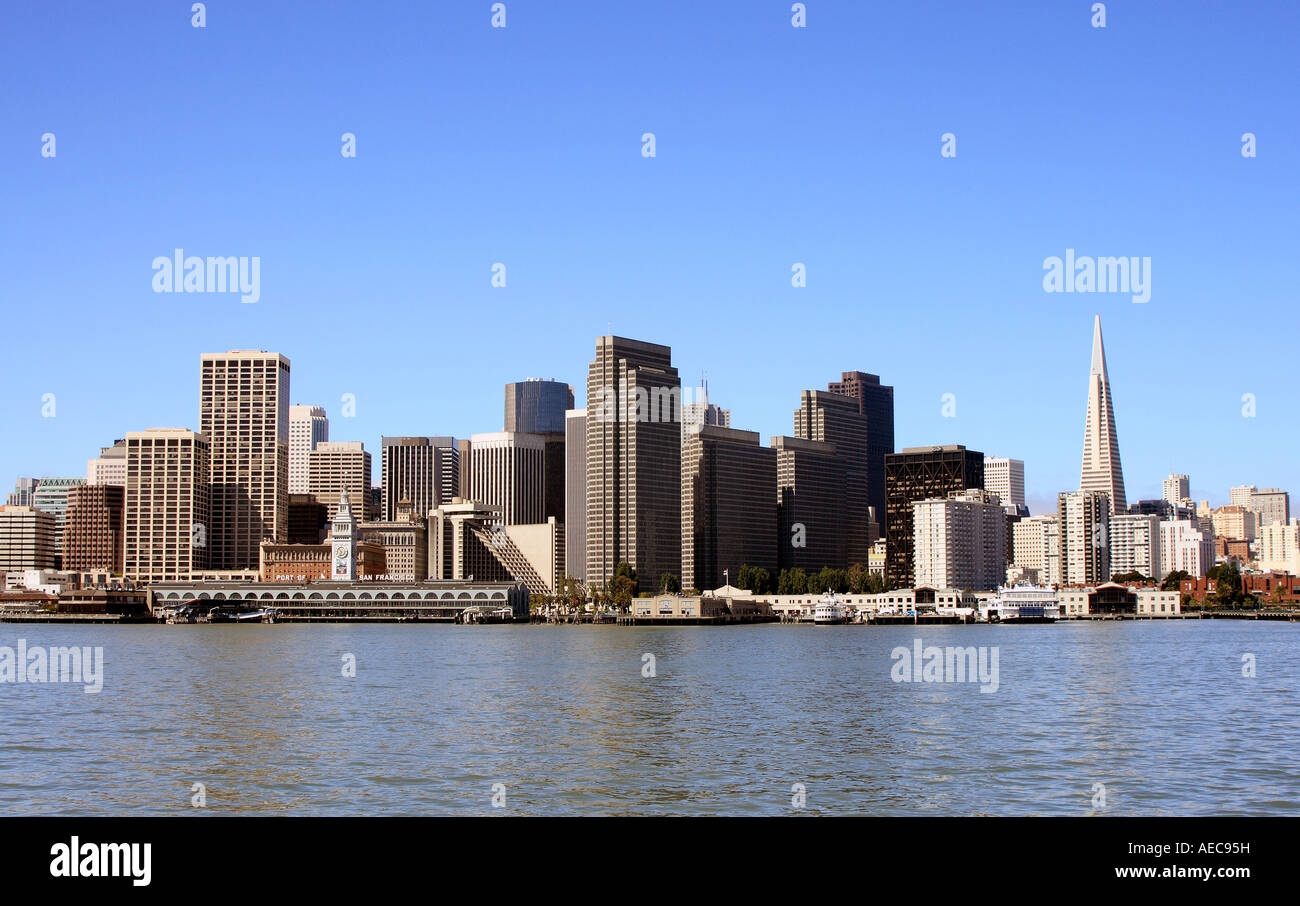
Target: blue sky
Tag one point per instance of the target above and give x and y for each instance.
(775, 145)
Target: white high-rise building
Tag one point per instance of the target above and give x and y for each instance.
(1177, 489)
(1036, 545)
(1085, 537)
(109, 467)
(308, 426)
(1006, 478)
(1135, 545)
(1101, 465)
(960, 541)
(1183, 546)
(507, 469)
(1279, 547)
(1241, 494)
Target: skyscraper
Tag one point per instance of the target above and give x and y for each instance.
(810, 506)
(308, 426)
(876, 402)
(51, 495)
(537, 406)
(244, 415)
(838, 420)
(634, 449)
(423, 470)
(166, 522)
(1101, 465)
(728, 512)
(921, 473)
(1177, 488)
(92, 527)
(1084, 517)
(575, 493)
(1006, 478)
(507, 469)
(340, 468)
(109, 467)
(960, 541)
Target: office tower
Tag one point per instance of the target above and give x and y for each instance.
(244, 416)
(92, 527)
(51, 495)
(575, 493)
(553, 466)
(425, 471)
(1240, 495)
(729, 515)
(109, 467)
(876, 402)
(462, 468)
(23, 490)
(507, 470)
(838, 420)
(1184, 546)
(1177, 488)
(1236, 523)
(1101, 465)
(960, 541)
(634, 450)
(308, 426)
(1135, 545)
(307, 520)
(166, 519)
(702, 412)
(811, 516)
(1269, 505)
(26, 538)
(1036, 545)
(1006, 478)
(921, 473)
(1085, 537)
(536, 406)
(335, 467)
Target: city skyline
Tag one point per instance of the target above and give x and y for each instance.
(1152, 488)
(821, 147)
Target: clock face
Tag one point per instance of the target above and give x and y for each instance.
(341, 554)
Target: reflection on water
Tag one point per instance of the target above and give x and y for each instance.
(264, 718)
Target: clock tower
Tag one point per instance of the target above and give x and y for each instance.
(344, 547)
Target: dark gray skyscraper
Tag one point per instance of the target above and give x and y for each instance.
(838, 420)
(876, 403)
(634, 454)
(536, 406)
(423, 470)
(920, 473)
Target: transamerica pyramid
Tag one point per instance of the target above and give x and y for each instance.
(1101, 466)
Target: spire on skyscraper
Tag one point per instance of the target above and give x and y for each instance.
(1101, 464)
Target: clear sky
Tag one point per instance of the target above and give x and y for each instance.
(774, 145)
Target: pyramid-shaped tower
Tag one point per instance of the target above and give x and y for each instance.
(1101, 466)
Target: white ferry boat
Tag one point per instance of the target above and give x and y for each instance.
(1023, 603)
(829, 611)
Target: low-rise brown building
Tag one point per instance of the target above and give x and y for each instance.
(92, 528)
(311, 562)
